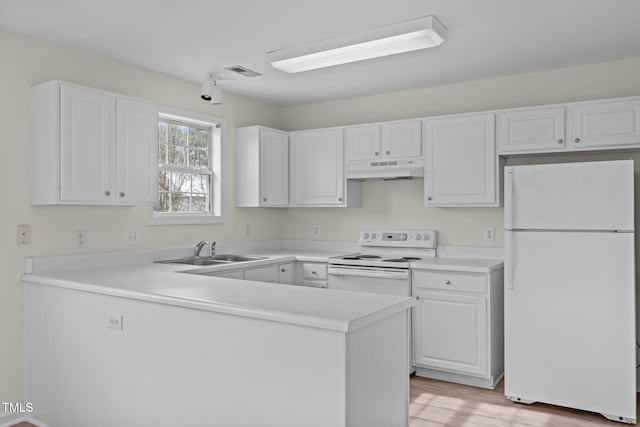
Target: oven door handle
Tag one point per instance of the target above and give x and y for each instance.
(397, 275)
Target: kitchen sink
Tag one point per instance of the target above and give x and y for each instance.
(209, 260)
(232, 258)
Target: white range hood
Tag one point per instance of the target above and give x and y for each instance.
(386, 169)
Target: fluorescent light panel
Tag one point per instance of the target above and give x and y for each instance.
(407, 36)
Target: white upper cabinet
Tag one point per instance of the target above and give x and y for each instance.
(92, 147)
(460, 161)
(605, 124)
(317, 170)
(580, 126)
(262, 167)
(387, 141)
(401, 140)
(86, 145)
(137, 159)
(532, 129)
(362, 143)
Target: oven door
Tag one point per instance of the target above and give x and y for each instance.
(379, 280)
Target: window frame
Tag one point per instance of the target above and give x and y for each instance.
(216, 215)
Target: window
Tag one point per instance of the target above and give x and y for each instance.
(189, 160)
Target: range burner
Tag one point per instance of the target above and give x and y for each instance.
(356, 257)
(403, 259)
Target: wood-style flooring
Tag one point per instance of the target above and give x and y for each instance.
(438, 403)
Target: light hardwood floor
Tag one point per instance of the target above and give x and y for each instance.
(438, 403)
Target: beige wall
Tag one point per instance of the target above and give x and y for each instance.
(28, 61)
(400, 203)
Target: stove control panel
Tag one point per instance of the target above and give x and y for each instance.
(399, 238)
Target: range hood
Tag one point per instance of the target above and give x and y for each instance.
(385, 169)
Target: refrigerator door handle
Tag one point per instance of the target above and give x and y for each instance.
(510, 260)
(508, 193)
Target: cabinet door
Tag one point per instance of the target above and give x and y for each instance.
(532, 130)
(262, 274)
(318, 168)
(86, 146)
(460, 161)
(235, 274)
(606, 123)
(286, 273)
(274, 168)
(136, 148)
(401, 140)
(362, 143)
(450, 332)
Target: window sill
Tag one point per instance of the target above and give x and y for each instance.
(186, 220)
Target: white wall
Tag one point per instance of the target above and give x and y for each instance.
(26, 62)
(400, 203)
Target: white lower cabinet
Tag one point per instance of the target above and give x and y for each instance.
(234, 274)
(458, 326)
(273, 273)
(286, 273)
(263, 274)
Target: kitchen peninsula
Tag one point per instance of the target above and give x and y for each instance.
(164, 348)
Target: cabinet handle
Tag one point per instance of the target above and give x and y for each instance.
(339, 199)
(388, 152)
(417, 296)
(107, 193)
(282, 270)
(560, 141)
(577, 139)
(121, 194)
(429, 198)
(376, 153)
(448, 282)
(264, 199)
(314, 273)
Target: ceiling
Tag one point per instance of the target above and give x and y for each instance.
(191, 38)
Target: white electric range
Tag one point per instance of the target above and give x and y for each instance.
(383, 264)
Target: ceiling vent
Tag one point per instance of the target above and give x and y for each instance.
(244, 71)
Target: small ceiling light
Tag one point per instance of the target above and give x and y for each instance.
(210, 90)
(405, 36)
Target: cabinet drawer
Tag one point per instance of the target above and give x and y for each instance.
(450, 281)
(314, 271)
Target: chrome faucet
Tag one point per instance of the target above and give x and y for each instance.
(213, 248)
(198, 248)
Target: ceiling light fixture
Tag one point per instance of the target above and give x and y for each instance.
(210, 90)
(405, 36)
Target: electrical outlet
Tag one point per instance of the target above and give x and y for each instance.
(23, 234)
(316, 231)
(115, 321)
(489, 234)
(80, 239)
(132, 238)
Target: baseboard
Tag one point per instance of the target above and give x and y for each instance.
(488, 383)
(10, 418)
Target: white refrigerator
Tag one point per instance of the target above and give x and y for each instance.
(570, 286)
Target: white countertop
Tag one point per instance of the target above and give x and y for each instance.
(470, 265)
(134, 275)
(165, 283)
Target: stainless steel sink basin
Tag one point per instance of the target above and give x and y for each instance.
(193, 261)
(232, 258)
(209, 260)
